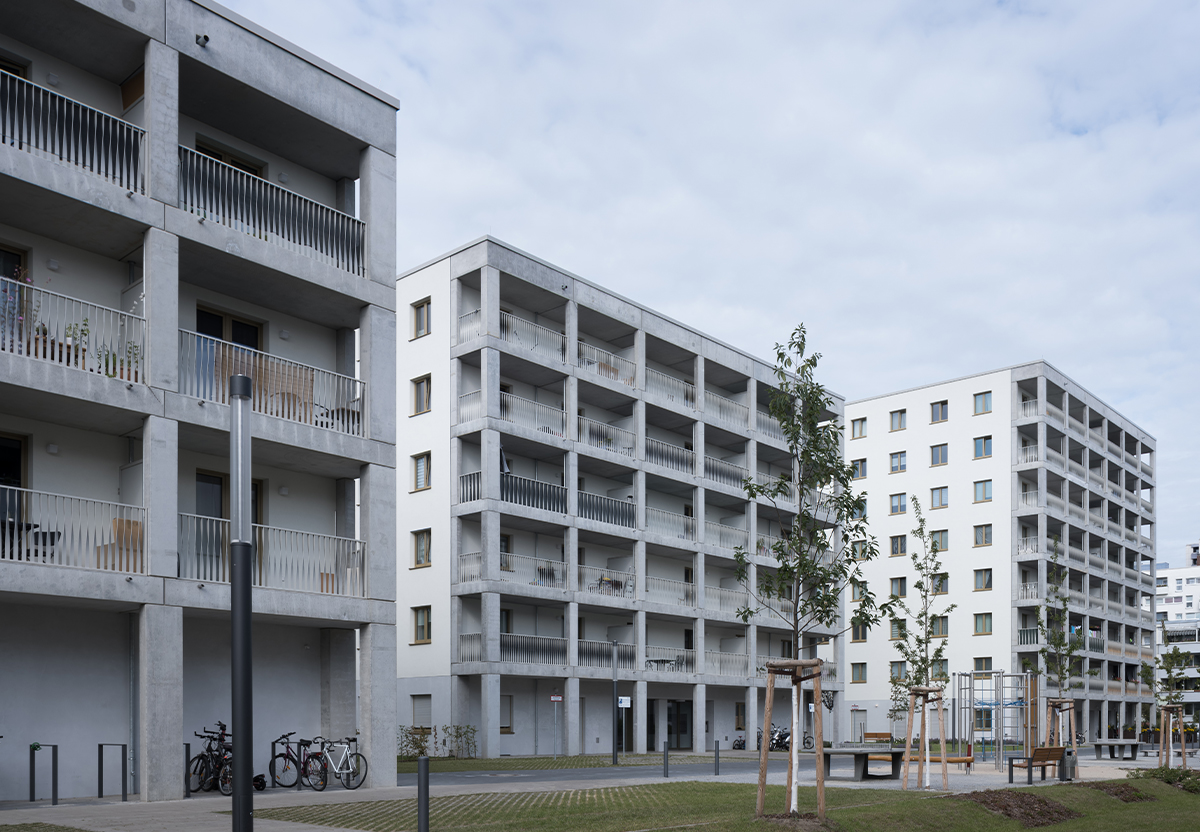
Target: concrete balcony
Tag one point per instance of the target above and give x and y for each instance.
(604, 364)
(670, 524)
(55, 529)
(670, 388)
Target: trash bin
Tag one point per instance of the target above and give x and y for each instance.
(1069, 763)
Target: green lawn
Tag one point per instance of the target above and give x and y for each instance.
(720, 807)
(541, 763)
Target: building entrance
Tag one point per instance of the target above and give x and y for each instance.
(679, 724)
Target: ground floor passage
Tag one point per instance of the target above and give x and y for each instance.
(521, 715)
(148, 678)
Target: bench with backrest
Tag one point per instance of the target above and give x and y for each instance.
(1049, 756)
(877, 736)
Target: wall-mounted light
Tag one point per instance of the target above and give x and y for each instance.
(284, 335)
(283, 178)
(52, 79)
(283, 491)
(52, 449)
(202, 41)
(52, 265)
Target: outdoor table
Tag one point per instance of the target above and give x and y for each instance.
(659, 664)
(861, 760)
(13, 532)
(1113, 745)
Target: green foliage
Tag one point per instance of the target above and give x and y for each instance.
(1060, 647)
(1169, 689)
(449, 741)
(1180, 778)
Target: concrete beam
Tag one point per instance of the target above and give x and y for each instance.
(160, 701)
(160, 494)
(377, 703)
(377, 364)
(160, 282)
(377, 202)
(162, 122)
(377, 510)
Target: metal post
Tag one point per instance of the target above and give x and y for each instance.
(422, 794)
(54, 775)
(665, 769)
(124, 773)
(556, 730)
(614, 703)
(187, 774)
(100, 769)
(717, 757)
(33, 747)
(273, 784)
(241, 550)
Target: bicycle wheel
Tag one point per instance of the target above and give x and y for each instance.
(198, 772)
(225, 779)
(356, 771)
(808, 741)
(316, 773)
(284, 771)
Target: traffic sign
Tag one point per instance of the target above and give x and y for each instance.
(556, 697)
(624, 701)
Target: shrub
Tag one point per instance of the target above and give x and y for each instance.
(447, 741)
(1180, 778)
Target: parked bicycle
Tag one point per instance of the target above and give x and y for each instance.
(211, 767)
(292, 762)
(350, 767)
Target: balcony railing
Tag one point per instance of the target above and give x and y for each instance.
(282, 388)
(524, 649)
(1029, 591)
(1095, 644)
(670, 659)
(601, 581)
(221, 193)
(546, 343)
(1029, 499)
(725, 472)
(469, 487)
(727, 410)
(606, 437)
(64, 330)
(40, 527)
(769, 425)
(1029, 408)
(1027, 454)
(670, 456)
(670, 524)
(523, 569)
(468, 567)
(606, 364)
(533, 415)
(470, 406)
(607, 510)
(670, 388)
(533, 493)
(600, 653)
(726, 664)
(726, 537)
(52, 126)
(670, 591)
(1027, 636)
(470, 647)
(284, 559)
(725, 599)
(469, 326)
(767, 478)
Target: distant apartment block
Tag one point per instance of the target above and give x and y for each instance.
(1178, 594)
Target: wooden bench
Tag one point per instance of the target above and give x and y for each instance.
(1053, 755)
(877, 736)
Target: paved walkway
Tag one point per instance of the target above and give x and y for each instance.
(203, 812)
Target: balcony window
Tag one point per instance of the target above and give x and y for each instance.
(230, 158)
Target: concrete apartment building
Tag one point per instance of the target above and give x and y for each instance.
(1003, 463)
(185, 196)
(573, 465)
(1177, 609)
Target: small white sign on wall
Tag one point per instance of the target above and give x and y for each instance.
(624, 701)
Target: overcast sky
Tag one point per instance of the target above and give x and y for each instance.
(935, 189)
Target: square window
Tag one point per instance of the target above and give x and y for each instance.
(940, 539)
(939, 411)
(899, 545)
(983, 491)
(899, 504)
(983, 579)
(983, 664)
(939, 497)
(899, 462)
(983, 447)
(899, 670)
(900, 587)
(899, 628)
(858, 632)
(983, 535)
(983, 623)
(421, 630)
(421, 541)
(983, 402)
(899, 419)
(858, 672)
(860, 468)
(420, 318)
(858, 428)
(939, 454)
(941, 583)
(422, 710)
(421, 397)
(421, 465)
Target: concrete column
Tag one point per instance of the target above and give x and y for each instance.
(489, 300)
(639, 565)
(377, 511)
(698, 374)
(160, 701)
(639, 356)
(572, 729)
(571, 556)
(571, 481)
(377, 204)
(639, 497)
(752, 717)
(572, 331)
(344, 508)
(698, 511)
(489, 458)
(338, 683)
(161, 109)
(456, 606)
(377, 367)
(490, 614)
(344, 193)
(460, 700)
(160, 494)
(572, 633)
(698, 444)
(489, 381)
(639, 625)
(489, 712)
(699, 717)
(698, 573)
(660, 723)
(639, 716)
(160, 282)
(639, 429)
(571, 406)
(377, 702)
(489, 543)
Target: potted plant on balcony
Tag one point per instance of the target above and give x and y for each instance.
(125, 366)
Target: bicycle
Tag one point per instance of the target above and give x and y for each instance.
(209, 769)
(351, 768)
(289, 764)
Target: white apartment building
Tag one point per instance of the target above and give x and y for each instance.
(187, 196)
(1003, 464)
(1176, 607)
(571, 468)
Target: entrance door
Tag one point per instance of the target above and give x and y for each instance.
(679, 724)
(11, 531)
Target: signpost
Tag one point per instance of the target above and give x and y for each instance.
(556, 698)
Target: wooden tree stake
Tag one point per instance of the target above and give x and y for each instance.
(912, 699)
(819, 744)
(766, 745)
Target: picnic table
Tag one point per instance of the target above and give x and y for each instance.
(1113, 745)
(862, 757)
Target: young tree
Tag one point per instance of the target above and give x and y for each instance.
(1167, 688)
(1060, 646)
(819, 555)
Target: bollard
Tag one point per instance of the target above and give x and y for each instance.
(717, 758)
(187, 774)
(54, 775)
(422, 794)
(665, 769)
(124, 769)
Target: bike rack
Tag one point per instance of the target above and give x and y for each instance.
(124, 769)
(187, 774)
(34, 748)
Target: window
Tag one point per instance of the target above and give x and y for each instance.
(225, 328)
(941, 583)
(983, 664)
(785, 645)
(940, 539)
(983, 719)
(983, 447)
(939, 626)
(858, 672)
(858, 632)
(420, 318)
(858, 428)
(739, 716)
(899, 419)
(900, 587)
(983, 402)
(938, 454)
(899, 504)
(899, 545)
(860, 510)
(422, 712)
(232, 159)
(506, 713)
(13, 67)
(983, 491)
(939, 497)
(899, 628)
(421, 541)
(983, 623)
(899, 462)
(939, 411)
(983, 535)
(860, 468)
(899, 670)
(506, 621)
(858, 549)
(421, 629)
(983, 579)
(421, 464)
(857, 590)
(939, 669)
(421, 397)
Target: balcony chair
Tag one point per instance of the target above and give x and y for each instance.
(124, 554)
(42, 545)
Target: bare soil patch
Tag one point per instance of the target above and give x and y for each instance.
(1121, 791)
(804, 822)
(1029, 809)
